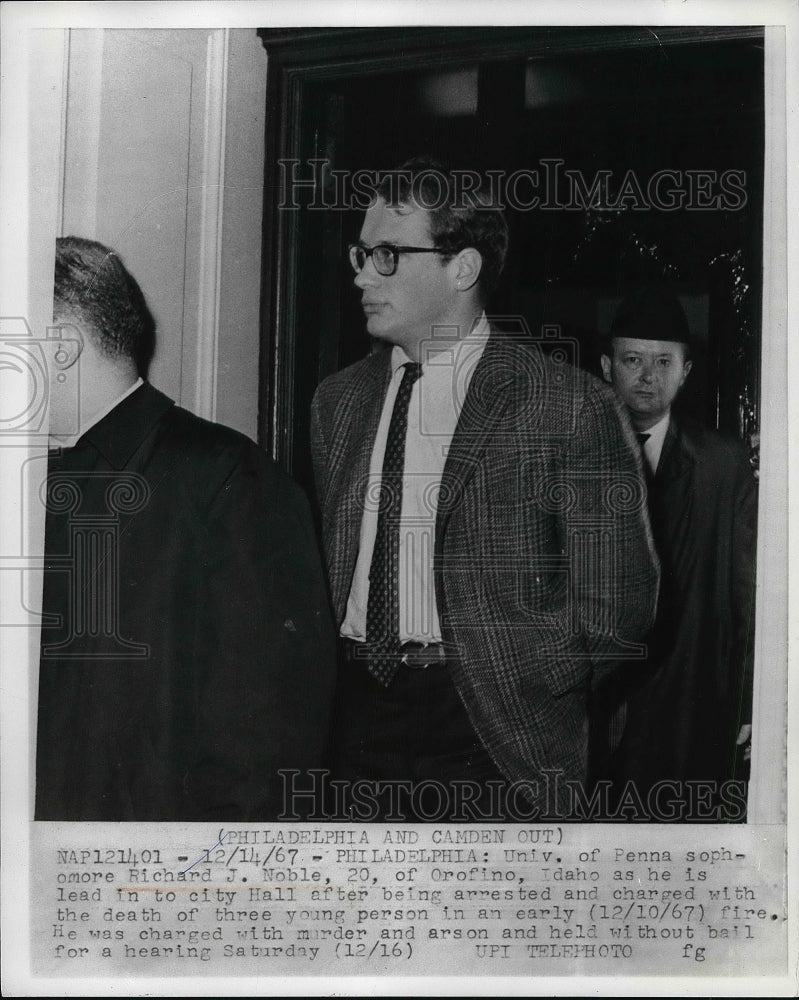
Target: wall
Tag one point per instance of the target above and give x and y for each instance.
(163, 161)
(239, 321)
(30, 119)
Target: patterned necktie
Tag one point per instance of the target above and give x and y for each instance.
(382, 609)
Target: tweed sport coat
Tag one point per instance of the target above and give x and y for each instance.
(544, 564)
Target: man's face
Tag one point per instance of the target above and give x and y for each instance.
(404, 307)
(647, 375)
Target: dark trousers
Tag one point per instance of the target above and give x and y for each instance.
(408, 752)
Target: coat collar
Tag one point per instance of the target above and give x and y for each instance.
(677, 456)
(119, 434)
(367, 398)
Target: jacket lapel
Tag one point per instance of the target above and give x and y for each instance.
(485, 402)
(358, 430)
(675, 462)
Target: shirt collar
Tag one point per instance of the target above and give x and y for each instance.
(657, 433)
(58, 442)
(107, 409)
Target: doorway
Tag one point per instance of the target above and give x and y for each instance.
(627, 155)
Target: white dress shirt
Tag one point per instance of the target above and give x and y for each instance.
(435, 406)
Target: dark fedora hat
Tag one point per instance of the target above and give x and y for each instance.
(652, 313)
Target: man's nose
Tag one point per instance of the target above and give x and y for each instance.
(648, 371)
(367, 276)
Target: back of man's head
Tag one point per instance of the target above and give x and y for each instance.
(95, 291)
(463, 212)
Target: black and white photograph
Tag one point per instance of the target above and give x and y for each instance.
(396, 460)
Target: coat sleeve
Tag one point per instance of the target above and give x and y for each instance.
(267, 659)
(318, 447)
(613, 565)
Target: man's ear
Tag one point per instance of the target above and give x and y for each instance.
(67, 344)
(607, 367)
(468, 263)
(686, 370)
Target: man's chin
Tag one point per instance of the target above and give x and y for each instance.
(644, 405)
(377, 329)
(651, 415)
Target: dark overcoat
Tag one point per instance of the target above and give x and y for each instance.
(187, 651)
(686, 708)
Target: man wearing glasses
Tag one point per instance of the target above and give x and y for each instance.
(480, 561)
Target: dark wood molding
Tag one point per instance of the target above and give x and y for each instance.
(328, 47)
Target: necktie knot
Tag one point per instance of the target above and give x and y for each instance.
(642, 440)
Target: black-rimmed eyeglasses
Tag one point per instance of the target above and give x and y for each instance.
(384, 256)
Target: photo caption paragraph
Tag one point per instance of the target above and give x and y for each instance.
(363, 900)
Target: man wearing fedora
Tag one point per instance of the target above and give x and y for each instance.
(688, 714)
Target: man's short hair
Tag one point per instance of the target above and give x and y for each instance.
(460, 215)
(93, 285)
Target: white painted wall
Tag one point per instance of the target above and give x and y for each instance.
(30, 125)
(239, 318)
(163, 161)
